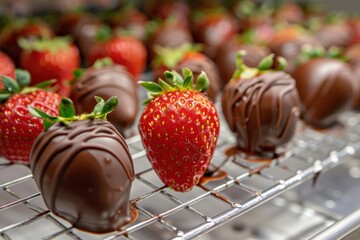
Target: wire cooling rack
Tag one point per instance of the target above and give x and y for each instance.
(166, 214)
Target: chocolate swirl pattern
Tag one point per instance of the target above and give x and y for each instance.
(84, 171)
(326, 88)
(106, 82)
(262, 111)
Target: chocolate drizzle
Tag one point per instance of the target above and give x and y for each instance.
(106, 82)
(326, 88)
(84, 171)
(262, 111)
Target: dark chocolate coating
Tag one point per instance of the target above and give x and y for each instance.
(262, 111)
(226, 58)
(326, 88)
(84, 172)
(106, 82)
(353, 55)
(207, 65)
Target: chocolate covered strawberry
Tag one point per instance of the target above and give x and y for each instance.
(7, 67)
(48, 59)
(18, 128)
(188, 56)
(124, 50)
(179, 129)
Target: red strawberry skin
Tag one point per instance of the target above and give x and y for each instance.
(18, 128)
(179, 131)
(7, 67)
(46, 65)
(127, 51)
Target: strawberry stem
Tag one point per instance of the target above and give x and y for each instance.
(309, 52)
(67, 112)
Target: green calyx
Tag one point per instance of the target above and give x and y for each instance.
(309, 52)
(103, 33)
(175, 82)
(20, 85)
(267, 64)
(67, 112)
(45, 44)
(170, 57)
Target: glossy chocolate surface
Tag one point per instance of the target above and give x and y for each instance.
(263, 111)
(84, 172)
(226, 56)
(326, 88)
(353, 55)
(106, 82)
(338, 35)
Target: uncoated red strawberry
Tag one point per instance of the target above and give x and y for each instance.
(7, 67)
(179, 129)
(124, 50)
(51, 59)
(18, 128)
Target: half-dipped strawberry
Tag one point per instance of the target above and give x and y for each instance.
(179, 129)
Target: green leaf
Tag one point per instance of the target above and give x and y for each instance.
(202, 82)
(22, 77)
(45, 84)
(48, 123)
(10, 84)
(179, 81)
(103, 33)
(165, 86)
(77, 73)
(39, 114)
(66, 108)
(266, 63)
(110, 105)
(99, 106)
(282, 63)
(103, 62)
(170, 78)
(151, 86)
(188, 76)
(4, 97)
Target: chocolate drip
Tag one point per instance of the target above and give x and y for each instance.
(262, 111)
(84, 171)
(326, 88)
(107, 82)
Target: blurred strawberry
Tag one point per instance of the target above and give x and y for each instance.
(48, 59)
(124, 50)
(7, 67)
(22, 29)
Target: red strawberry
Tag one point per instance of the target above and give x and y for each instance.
(30, 30)
(50, 59)
(124, 50)
(7, 67)
(188, 56)
(18, 128)
(179, 129)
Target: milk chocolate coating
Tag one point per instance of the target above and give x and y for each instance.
(208, 66)
(262, 111)
(326, 88)
(106, 82)
(338, 35)
(290, 49)
(226, 58)
(353, 55)
(170, 35)
(84, 172)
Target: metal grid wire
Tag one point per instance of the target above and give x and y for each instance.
(165, 214)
